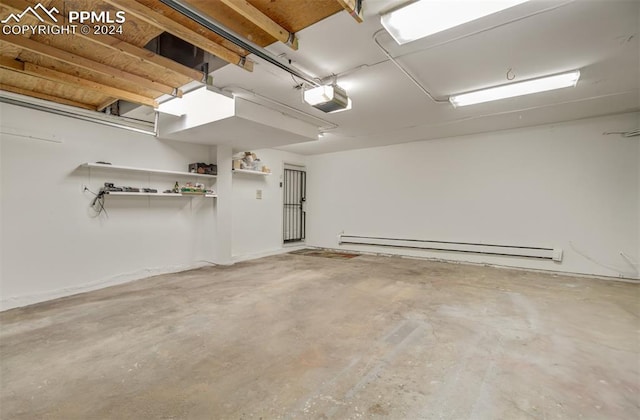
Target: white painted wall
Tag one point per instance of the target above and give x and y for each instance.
(539, 186)
(558, 186)
(637, 261)
(257, 224)
(52, 246)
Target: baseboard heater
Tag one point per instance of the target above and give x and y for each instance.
(541, 253)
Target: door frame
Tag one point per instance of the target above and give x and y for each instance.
(296, 166)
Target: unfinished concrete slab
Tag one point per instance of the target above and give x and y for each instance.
(303, 337)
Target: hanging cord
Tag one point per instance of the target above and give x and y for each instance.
(98, 202)
(612, 268)
(634, 264)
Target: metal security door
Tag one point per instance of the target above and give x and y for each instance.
(295, 190)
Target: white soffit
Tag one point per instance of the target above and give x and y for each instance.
(213, 118)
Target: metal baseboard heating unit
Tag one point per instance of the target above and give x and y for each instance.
(541, 253)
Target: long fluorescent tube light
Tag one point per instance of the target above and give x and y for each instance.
(527, 87)
(426, 17)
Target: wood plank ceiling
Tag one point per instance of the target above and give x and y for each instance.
(93, 71)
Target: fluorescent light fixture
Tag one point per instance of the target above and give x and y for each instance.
(426, 17)
(328, 98)
(527, 87)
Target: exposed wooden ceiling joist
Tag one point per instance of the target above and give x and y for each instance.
(10, 64)
(354, 8)
(141, 54)
(67, 68)
(168, 25)
(45, 96)
(94, 66)
(92, 71)
(147, 56)
(249, 12)
(291, 15)
(106, 103)
(112, 58)
(56, 76)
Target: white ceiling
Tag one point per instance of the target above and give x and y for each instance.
(599, 37)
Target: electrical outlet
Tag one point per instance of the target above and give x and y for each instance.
(258, 194)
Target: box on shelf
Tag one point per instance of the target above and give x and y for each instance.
(203, 168)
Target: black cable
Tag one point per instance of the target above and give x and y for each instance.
(298, 85)
(99, 199)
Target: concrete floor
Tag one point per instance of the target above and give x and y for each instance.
(314, 338)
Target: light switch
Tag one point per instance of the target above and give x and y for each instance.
(258, 194)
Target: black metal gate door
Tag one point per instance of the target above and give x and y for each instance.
(295, 190)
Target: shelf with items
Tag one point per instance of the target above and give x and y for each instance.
(250, 172)
(145, 194)
(144, 170)
(249, 163)
(194, 188)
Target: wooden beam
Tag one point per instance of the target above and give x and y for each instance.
(106, 103)
(160, 21)
(56, 76)
(87, 64)
(59, 77)
(45, 96)
(264, 22)
(113, 43)
(147, 56)
(354, 7)
(11, 64)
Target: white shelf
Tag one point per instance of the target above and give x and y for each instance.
(145, 194)
(145, 170)
(247, 171)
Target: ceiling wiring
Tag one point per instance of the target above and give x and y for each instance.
(405, 71)
(395, 61)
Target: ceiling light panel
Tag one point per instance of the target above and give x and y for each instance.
(426, 17)
(527, 87)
